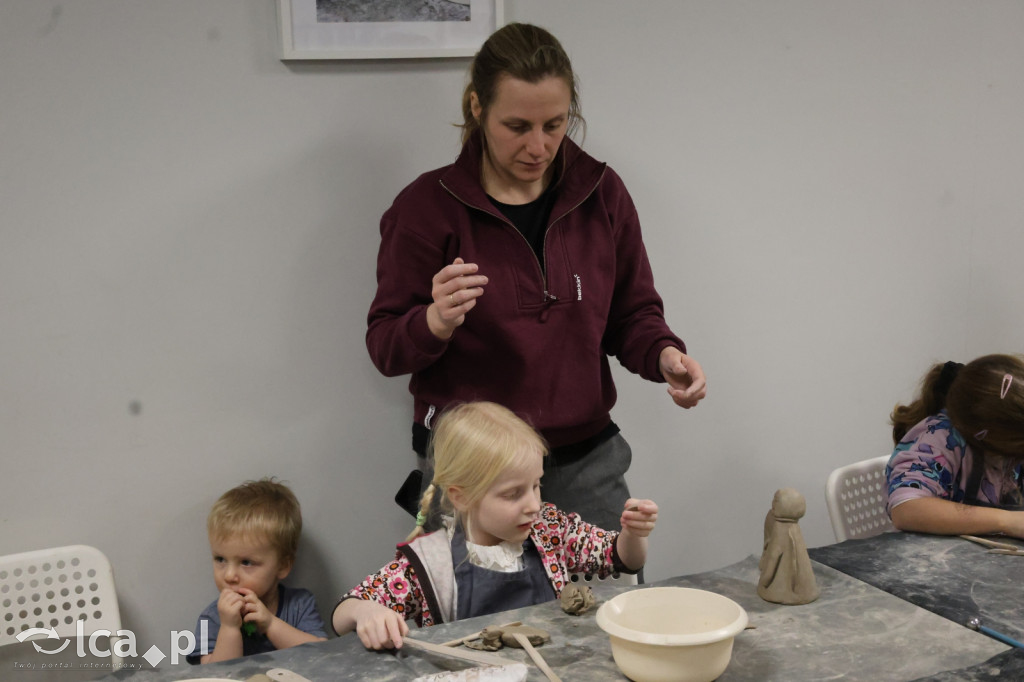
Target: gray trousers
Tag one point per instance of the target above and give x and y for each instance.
(594, 485)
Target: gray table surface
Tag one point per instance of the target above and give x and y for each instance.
(853, 632)
(21, 662)
(950, 576)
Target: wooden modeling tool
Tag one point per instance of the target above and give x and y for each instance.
(524, 642)
(996, 547)
(464, 654)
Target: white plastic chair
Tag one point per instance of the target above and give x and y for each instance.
(54, 589)
(620, 578)
(856, 495)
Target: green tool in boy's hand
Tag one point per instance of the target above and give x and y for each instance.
(249, 629)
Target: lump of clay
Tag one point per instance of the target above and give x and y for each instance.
(495, 637)
(535, 636)
(490, 639)
(577, 599)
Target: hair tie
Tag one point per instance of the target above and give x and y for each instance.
(980, 435)
(421, 519)
(1005, 388)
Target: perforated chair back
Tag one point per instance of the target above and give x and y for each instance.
(620, 578)
(856, 495)
(54, 589)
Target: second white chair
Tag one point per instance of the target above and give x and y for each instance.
(856, 495)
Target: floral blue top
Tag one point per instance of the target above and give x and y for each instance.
(934, 460)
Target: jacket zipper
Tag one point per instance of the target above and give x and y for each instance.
(549, 299)
(506, 221)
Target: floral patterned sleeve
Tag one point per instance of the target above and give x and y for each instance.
(587, 548)
(394, 586)
(926, 462)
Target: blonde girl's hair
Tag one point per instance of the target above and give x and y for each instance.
(263, 510)
(471, 445)
(524, 52)
(984, 401)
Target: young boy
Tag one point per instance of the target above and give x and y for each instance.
(254, 531)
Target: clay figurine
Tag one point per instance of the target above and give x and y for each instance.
(786, 573)
(577, 599)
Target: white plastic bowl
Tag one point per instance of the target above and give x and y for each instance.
(671, 634)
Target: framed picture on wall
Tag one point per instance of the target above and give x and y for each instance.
(385, 29)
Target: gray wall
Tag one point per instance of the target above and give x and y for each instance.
(831, 200)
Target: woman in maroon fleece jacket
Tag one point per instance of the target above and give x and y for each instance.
(512, 274)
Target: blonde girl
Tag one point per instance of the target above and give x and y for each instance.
(959, 449)
(501, 547)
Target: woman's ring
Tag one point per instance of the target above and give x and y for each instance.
(452, 297)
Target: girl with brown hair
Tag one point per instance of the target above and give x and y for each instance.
(959, 451)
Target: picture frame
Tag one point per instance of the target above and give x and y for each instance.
(303, 37)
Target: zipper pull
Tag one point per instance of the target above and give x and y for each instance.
(548, 300)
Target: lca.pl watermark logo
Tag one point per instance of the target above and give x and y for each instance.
(97, 644)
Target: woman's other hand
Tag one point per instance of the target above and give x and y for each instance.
(685, 378)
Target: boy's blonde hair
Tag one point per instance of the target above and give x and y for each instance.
(263, 509)
(471, 445)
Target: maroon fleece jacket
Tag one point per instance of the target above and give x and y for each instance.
(537, 341)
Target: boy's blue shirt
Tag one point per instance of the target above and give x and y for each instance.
(295, 606)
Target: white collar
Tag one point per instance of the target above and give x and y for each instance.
(506, 557)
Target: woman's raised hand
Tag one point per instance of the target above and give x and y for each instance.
(455, 290)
